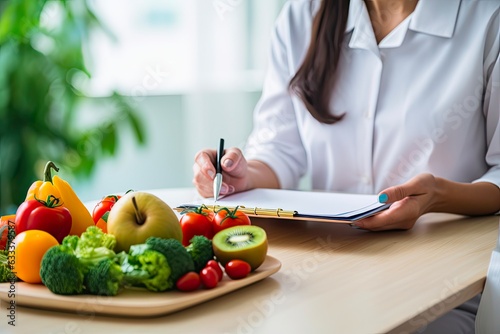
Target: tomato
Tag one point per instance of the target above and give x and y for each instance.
(237, 269)
(225, 218)
(214, 264)
(7, 224)
(209, 277)
(28, 248)
(189, 282)
(197, 222)
(103, 207)
(48, 216)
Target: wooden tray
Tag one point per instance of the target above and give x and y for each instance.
(131, 302)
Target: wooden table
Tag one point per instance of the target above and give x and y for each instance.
(334, 279)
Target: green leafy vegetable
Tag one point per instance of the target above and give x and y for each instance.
(6, 274)
(144, 267)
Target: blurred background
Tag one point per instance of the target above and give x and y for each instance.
(121, 94)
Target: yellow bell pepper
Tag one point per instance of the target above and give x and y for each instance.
(54, 185)
(81, 216)
(41, 190)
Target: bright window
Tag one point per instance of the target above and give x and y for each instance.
(173, 47)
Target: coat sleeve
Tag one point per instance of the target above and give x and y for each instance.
(491, 109)
(275, 138)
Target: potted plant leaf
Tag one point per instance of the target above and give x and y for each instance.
(40, 102)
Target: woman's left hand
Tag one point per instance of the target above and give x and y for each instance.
(409, 201)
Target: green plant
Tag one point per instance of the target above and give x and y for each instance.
(40, 97)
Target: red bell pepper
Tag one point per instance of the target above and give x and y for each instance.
(48, 216)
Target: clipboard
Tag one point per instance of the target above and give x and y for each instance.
(296, 204)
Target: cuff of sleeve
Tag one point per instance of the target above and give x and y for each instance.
(489, 180)
(286, 177)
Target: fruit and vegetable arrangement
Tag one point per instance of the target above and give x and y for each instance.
(130, 240)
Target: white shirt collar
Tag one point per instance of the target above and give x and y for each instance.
(396, 37)
(434, 17)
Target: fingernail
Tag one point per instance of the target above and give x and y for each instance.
(231, 190)
(223, 189)
(211, 173)
(358, 225)
(382, 198)
(228, 163)
(354, 226)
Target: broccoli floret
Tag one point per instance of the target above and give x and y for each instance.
(177, 256)
(104, 279)
(201, 251)
(84, 263)
(6, 274)
(144, 267)
(61, 271)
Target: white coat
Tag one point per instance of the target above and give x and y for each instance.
(425, 99)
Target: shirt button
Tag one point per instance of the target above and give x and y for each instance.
(366, 180)
(367, 115)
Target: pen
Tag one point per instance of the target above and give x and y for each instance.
(218, 170)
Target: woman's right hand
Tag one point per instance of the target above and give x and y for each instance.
(235, 176)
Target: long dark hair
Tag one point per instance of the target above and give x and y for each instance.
(313, 81)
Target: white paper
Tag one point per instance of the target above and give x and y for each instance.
(304, 202)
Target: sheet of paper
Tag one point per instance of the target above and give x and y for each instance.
(304, 202)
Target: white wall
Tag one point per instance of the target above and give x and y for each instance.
(177, 126)
(209, 58)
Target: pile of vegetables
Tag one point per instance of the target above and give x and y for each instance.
(88, 264)
(54, 239)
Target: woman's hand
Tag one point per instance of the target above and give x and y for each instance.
(409, 201)
(238, 174)
(426, 193)
(235, 174)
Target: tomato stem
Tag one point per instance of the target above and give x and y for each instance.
(230, 214)
(202, 210)
(51, 202)
(47, 175)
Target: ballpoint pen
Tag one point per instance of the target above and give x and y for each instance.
(218, 170)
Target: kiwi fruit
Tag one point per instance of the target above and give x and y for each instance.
(242, 242)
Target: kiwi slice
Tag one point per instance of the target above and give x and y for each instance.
(243, 242)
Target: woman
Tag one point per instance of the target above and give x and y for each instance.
(396, 97)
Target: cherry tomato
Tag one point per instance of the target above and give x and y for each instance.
(103, 207)
(197, 222)
(214, 264)
(225, 218)
(8, 222)
(49, 216)
(29, 247)
(189, 282)
(237, 269)
(209, 277)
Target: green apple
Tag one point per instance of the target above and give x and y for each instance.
(139, 215)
